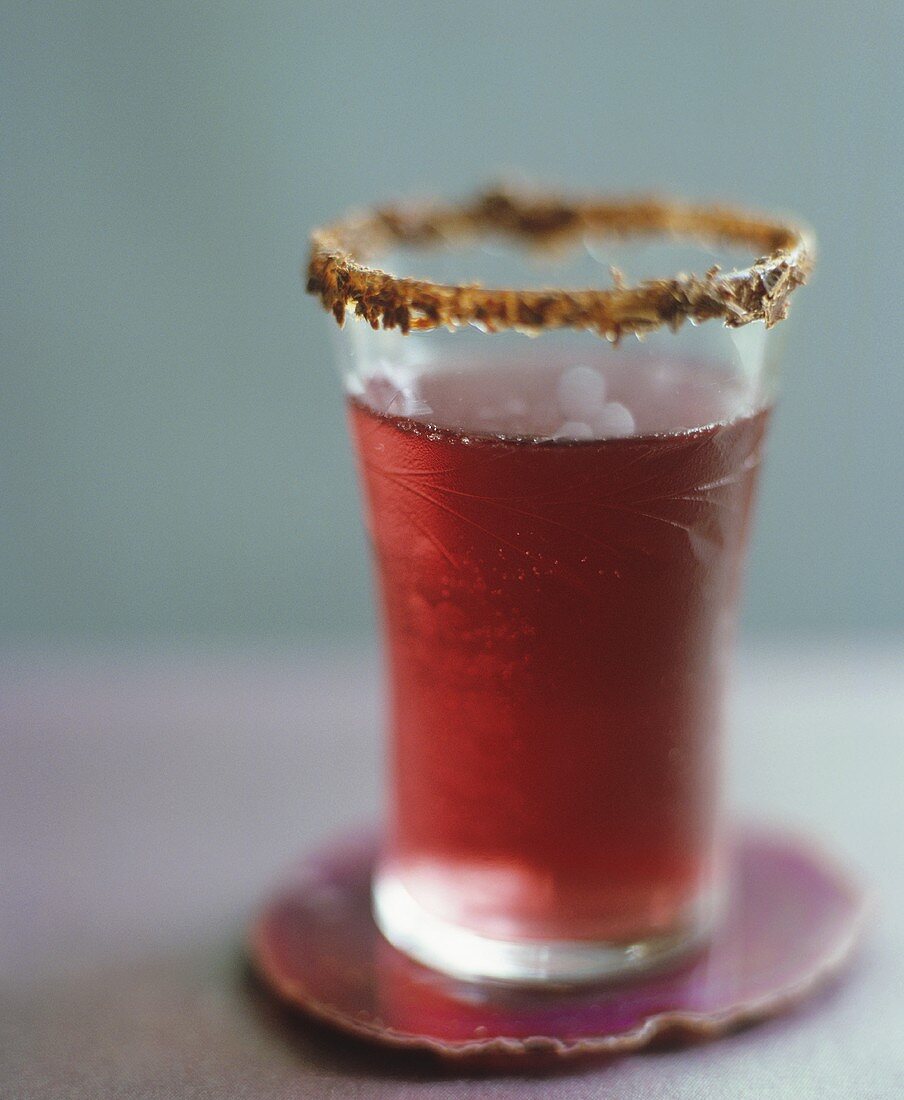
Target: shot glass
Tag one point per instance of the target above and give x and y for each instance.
(558, 485)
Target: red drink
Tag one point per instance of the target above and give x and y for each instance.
(557, 615)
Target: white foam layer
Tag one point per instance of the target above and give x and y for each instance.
(533, 396)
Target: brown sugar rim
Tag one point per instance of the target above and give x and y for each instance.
(339, 274)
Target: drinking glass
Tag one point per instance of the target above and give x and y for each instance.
(558, 487)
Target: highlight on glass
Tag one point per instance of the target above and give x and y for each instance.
(559, 410)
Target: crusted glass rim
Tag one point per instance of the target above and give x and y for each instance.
(339, 274)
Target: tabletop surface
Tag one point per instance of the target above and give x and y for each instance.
(148, 799)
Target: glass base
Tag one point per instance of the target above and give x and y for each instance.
(467, 955)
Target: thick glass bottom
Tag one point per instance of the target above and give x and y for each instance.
(470, 956)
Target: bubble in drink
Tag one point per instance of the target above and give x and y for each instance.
(580, 393)
(574, 429)
(613, 421)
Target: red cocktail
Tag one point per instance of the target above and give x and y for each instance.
(557, 610)
(558, 534)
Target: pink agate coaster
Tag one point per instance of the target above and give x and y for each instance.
(791, 920)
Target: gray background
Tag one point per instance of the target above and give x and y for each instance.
(172, 460)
